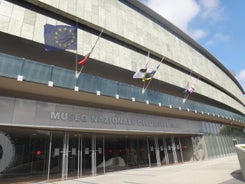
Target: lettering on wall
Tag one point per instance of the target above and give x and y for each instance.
(115, 120)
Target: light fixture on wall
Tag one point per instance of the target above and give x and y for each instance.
(20, 78)
(98, 93)
(76, 88)
(50, 83)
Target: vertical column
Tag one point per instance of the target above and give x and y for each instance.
(78, 155)
(65, 156)
(174, 150)
(148, 150)
(94, 168)
(104, 154)
(181, 152)
(50, 153)
(81, 157)
(165, 151)
(157, 151)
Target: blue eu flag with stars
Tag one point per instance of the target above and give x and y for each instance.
(60, 37)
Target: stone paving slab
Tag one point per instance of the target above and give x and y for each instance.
(224, 170)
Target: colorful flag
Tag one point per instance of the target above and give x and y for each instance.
(140, 74)
(149, 76)
(60, 37)
(84, 60)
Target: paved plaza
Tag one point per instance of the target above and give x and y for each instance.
(224, 170)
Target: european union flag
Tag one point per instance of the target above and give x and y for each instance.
(60, 37)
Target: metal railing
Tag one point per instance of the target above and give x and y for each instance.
(32, 71)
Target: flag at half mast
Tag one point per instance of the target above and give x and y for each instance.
(140, 74)
(149, 75)
(60, 37)
(86, 58)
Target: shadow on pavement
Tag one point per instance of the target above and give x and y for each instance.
(237, 175)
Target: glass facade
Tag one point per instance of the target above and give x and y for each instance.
(219, 139)
(41, 155)
(32, 71)
(26, 152)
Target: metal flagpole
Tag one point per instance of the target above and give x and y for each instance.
(76, 57)
(88, 55)
(148, 55)
(77, 46)
(97, 40)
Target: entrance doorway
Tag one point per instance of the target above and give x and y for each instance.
(51, 155)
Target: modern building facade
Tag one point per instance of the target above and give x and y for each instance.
(55, 125)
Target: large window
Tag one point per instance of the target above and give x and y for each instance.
(41, 155)
(24, 153)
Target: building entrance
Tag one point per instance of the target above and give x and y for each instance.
(42, 155)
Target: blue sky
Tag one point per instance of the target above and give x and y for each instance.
(219, 26)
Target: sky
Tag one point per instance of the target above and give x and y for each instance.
(217, 25)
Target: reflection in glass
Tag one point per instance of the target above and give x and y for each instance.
(73, 154)
(187, 148)
(152, 151)
(115, 153)
(56, 155)
(86, 155)
(28, 153)
(100, 154)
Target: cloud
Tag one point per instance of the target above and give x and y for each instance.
(179, 12)
(183, 13)
(221, 37)
(197, 34)
(211, 9)
(209, 43)
(241, 78)
(217, 38)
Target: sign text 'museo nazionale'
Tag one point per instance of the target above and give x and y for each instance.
(110, 119)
